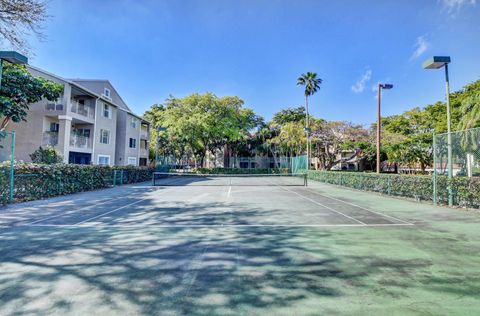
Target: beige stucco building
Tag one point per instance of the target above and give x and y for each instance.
(89, 124)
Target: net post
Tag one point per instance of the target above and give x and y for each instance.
(434, 176)
(12, 167)
(305, 179)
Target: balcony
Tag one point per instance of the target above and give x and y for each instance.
(50, 138)
(143, 133)
(77, 141)
(53, 107)
(82, 109)
(143, 152)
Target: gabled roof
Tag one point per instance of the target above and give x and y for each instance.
(95, 88)
(98, 86)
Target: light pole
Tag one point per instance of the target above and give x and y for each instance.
(381, 86)
(11, 57)
(437, 62)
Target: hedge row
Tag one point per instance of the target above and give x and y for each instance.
(466, 191)
(35, 181)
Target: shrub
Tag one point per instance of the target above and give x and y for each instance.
(466, 191)
(46, 155)
(38, 181)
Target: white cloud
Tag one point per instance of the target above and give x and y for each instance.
(359, 86)
(421, 46)
(453, 6)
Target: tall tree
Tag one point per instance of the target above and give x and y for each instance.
(311, 84)
(19, 89)
(21, 18)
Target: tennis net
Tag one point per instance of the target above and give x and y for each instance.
(191, 179)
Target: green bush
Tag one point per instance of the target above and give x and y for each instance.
(46, 155)
(466, 191)
(38, 181)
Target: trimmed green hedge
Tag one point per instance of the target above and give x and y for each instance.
(38, 181)
(466, 191)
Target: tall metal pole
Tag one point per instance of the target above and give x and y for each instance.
(378, 129)
(434, 170)
(156, 150)
(449, 139)
(307, 123)
(1, 71)
(12, 167)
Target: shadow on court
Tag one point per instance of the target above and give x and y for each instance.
(110, 268)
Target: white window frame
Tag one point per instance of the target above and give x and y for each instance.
(131, 158)
(103, 156)
(107, 92)
(101, 136)
(133, 122)
(108, 108)
(134, 142)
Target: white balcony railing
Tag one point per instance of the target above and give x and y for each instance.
(143, 152)
(82, 109)
(50, 138)
(53, 107)
(78, 141)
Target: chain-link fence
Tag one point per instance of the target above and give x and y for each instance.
(7, 161)
(456, 181)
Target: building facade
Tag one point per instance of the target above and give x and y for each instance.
(88, 124)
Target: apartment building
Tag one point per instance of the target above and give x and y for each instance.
(88, 124)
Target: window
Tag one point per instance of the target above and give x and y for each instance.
(132, 143)
(106, 92)
(54, 127)
(83, 132)
(103, 160)
(133, 123)
(104, 136)
(107, 111)
(132, 161)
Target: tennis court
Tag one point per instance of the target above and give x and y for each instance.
(229, 245)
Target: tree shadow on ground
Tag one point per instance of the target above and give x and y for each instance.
(188, 271)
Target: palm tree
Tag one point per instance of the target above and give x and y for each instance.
(312, 85)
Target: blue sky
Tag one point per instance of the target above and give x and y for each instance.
(256, 50)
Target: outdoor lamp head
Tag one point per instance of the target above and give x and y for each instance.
(386, 86)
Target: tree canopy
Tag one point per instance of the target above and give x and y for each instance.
(198, 124)
(201, 123)
(21, 18)
(19, 89)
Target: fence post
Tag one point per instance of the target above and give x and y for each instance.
(12, 167)
(434, 177)
(121, 177)
(114, 177)
(389, 190)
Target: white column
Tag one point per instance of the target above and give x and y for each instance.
(65, 126)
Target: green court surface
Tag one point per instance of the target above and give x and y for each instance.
(193, 249)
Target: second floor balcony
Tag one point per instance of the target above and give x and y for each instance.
(50, 138)
(82, 109)
(78, 141)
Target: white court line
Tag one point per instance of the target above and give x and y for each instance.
(331, 209)
(74, 211)
(117, 209)
(363, 208)
(92, 225)
(229, 192)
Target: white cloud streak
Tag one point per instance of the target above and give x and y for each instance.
(359, 86)
(421, 46)
(452, 7)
